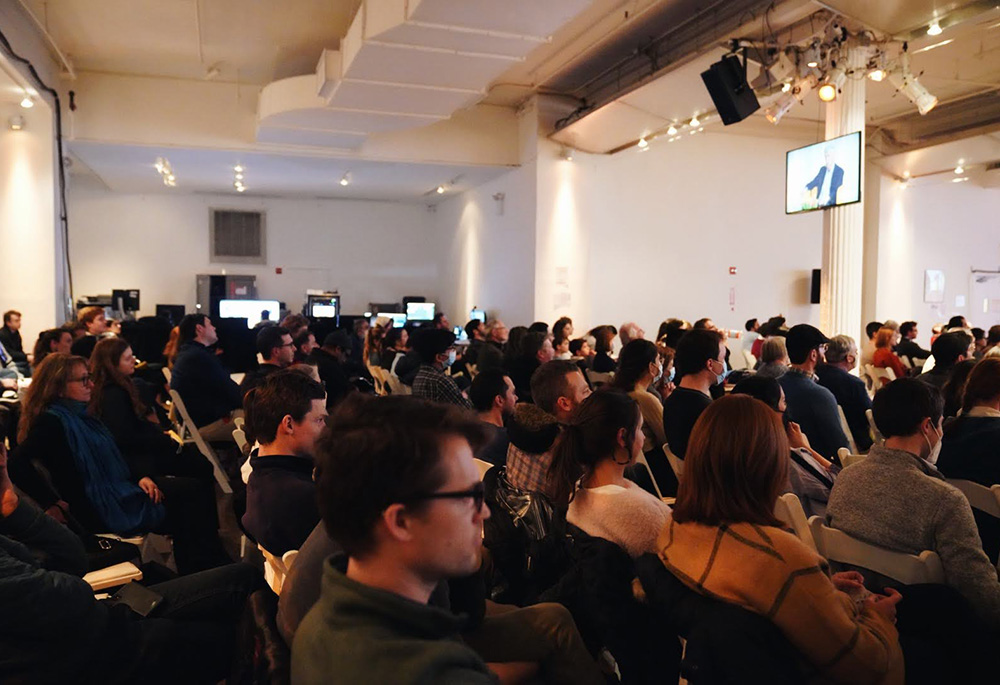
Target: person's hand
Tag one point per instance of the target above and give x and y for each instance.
(149, 487)
(848, 581)
(796, 438)
(8, 383)
(8, 498)
(885, 604)
(58, 512)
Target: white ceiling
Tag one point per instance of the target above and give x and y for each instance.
(972, 153)
(129, 169)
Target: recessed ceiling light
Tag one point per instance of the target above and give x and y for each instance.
(672, 131)
(934, 29)
(239, 177)
(345, 179)
(440, 190)
(643, 144)
(241, 189)
(238, 168)
(27, 102)
(959, 169)
(694, 121)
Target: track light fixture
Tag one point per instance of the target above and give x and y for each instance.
(162, 166)
(440, 190)
(694, 121)
(16, 123)
(934, 29)
(643, 144)
(907, 84)
(672, 131)
(346, 179)
(238, 179)
(27, 102)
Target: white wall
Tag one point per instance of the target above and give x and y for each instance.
(369, 251)
(953, 227)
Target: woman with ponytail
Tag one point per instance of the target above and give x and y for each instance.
(603, 437)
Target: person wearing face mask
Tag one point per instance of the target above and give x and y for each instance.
(436, 347)
(897, 499)
(700, 362)
(639, 368)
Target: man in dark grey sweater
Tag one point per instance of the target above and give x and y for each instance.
(897, 499)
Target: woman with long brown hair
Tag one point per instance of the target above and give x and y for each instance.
(603, 437)
(971, 446)
(724, 542)
(86, 470)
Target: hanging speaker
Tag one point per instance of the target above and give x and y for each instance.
(726, 81)
(814, 290)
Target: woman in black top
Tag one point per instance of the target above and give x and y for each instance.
(604, 337)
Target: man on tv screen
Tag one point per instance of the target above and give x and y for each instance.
(827, 181)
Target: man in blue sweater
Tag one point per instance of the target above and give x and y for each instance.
(212, 398)
(811, 405)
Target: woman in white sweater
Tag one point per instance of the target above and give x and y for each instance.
(603, 437)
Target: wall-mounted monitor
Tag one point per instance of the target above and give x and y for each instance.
(479, 314)
(822, 175)
(419, 311)
(398, 320)
(251, 310)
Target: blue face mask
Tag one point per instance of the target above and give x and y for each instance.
(670, 378)
(721, 378)
(451, 358)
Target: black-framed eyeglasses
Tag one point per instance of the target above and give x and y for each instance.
(477, 493)
(82, 379)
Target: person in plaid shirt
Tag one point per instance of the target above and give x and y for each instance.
(436, 348)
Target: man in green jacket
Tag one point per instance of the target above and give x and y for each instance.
(399, 490)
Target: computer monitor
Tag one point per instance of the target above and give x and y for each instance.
(398, 320)
(125, 301)
(251, 310)
(323, 307)
(479, 314)
(419, 311)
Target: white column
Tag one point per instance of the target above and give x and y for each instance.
(843, 227)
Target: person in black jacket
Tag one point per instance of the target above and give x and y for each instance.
(849, 390)
(908, 346)
(285, 414)
(58, 632)
(275, 346)
(212, 398)
(10, 338)
(329, 359)
(971, 446)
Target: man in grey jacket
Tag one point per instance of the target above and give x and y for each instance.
(897, 499)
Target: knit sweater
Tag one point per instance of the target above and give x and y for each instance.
(896, 500)
(771, 572)
(628, 516)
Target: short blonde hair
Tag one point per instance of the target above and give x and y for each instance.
(773, 350)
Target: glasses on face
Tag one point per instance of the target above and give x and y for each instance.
(477, 493)
(82, 379)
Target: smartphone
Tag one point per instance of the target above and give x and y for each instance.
(138, 598)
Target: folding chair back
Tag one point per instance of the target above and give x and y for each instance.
(909, 569)
(188, 432)
(985, 499)
(879, 374)
(656, 486)
(847, 430)
(847, 457)
(483, 467)
(397, 387)
(789, 510)
(876, 434)
(676, 463)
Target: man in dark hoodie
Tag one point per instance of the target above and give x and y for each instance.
(558, 387)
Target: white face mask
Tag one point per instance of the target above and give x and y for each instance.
(659, 374)
(451, 358)
(935, 451)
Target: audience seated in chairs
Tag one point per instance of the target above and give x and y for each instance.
(724, 542)
(493, 397)
(395, 343)
(604, 337)
(408, 517)
(810, 404)
(212, 398)
(773, 357)
(953, 392)
(972, 441)
(884, 357)
(907, 346)
(603, 437)
(897, 499)
(331, 359)
(304, 343)
(58, 632)
(10, 339)
(86, 476)
(849, 390)
(436, 347)
(700, 363)
(810, 476)
(285, 414)
(296, 325)
(275, 346)
(52, 340)
(558, 387)
(536, 349)
(96, 326)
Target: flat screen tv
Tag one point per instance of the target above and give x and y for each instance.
(419, 311)
(324, 307)
(822, 175)
(251, 310)
(479, 314)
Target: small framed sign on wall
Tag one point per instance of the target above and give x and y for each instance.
(933, 285)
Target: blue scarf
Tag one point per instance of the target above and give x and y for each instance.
(121, 504)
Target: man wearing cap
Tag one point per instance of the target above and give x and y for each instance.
(811, 405)
(329, 360)
(436, 347)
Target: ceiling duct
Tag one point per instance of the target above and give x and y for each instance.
(404, 64)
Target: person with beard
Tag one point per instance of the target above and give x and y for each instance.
(493, 397)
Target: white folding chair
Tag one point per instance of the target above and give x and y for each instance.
(909, 569)
(676, 463)
(847, 457)
(240, 435)
(876, 434)
(918, 363)
(985, 499)
(237, 377)
(483, 467)
(652, 479)
(847, 430)
(188, 432)
(276, 568)
(751, 360)
(378, 378)
(878, 374)
(167, 374)
(789, 510)
(599, 379)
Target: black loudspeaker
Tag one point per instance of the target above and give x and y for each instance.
(726, 81)
(814, 290)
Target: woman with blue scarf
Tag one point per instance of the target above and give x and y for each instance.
(86, 473)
